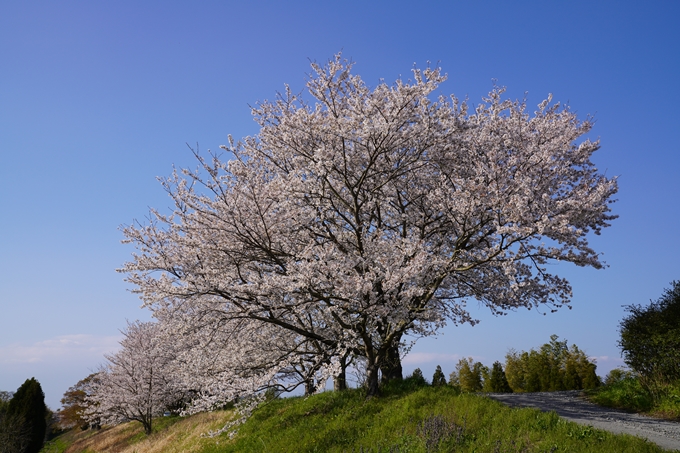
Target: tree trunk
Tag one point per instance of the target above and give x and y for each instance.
(391, 367)
(147, 426)
(372, 384)
(340, 381)
(309, 387)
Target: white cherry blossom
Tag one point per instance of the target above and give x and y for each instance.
(362, 216)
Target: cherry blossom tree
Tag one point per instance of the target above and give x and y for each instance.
(364, 215)
(136, 383)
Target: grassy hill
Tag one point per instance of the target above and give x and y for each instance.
(404, 419)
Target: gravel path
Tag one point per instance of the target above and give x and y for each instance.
(570, 406)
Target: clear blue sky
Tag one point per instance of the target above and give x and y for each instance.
(98, 98)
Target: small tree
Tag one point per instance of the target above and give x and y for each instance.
(438, 379)
(650, 337)
(514, 371)
(75, 405)
(469, 375)
(498, 382)
(135, 384)
(618, 375)
(417, 377)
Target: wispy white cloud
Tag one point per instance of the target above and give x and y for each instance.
(417, 358)
(614, 361)
(61, 348)
(606, 363)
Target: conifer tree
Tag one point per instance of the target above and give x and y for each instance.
(498, 382)
(438, 379)
(28, 404)
(418, 377)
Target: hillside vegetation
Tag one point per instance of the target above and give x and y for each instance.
(423, 419)
(170, 435)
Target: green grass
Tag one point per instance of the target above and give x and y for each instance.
(406, 418)
(58, 445)
(629, 394)
(423, 420)
(157, 425)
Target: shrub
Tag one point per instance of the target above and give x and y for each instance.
(617, 375)
(650, 337)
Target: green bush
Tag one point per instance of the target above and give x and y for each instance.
(617, 375)
(626, 393)
(650, 338)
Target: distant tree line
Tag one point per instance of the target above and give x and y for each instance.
(553, 367)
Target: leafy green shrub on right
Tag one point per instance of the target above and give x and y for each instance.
(650, 339)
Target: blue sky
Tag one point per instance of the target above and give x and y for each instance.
(97, 99)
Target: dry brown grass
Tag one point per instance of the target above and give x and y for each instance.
(182, 437)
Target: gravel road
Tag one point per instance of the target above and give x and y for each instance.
(571, 406)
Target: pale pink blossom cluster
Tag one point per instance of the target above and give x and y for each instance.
(357, 218)
(136, 383)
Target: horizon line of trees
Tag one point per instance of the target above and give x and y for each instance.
(553, 367)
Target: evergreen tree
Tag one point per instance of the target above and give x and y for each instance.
(438, 379)
(498, 382)
(28, 404)
(418, 377)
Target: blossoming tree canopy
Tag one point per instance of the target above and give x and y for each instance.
(367, 214)
(135, 383)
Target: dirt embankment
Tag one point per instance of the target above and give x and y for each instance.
(571, 406)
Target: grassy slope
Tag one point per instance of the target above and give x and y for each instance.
(171, 435)
(420, 420)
